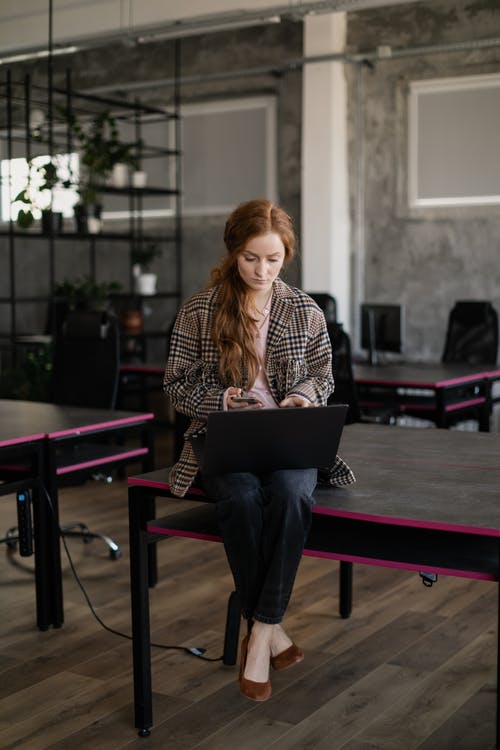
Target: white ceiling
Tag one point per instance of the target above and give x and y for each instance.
(24, 25)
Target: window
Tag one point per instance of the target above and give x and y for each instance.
(14, 179)
(454, 141)
(229, 154)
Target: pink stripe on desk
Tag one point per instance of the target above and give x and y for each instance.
(165, 486)
(152, 529)
(101, 425)
(426, 407)
(420, 384)
(20, 440)
(101, 461)
(165, 531)
(457, 573)
(408, 522)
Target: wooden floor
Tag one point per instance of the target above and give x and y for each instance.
(413, 667)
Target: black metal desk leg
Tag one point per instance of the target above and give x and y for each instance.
(139, 589)
(440, 408)
(345, 586)
(148, 464)
(52, 541)
(41, 516)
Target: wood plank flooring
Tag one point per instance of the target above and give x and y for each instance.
(413, 668)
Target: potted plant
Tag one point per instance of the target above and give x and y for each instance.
(82, 293)
(37, 196)
(100, 151)
(142, 256)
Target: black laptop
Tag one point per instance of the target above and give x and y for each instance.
(260, 440)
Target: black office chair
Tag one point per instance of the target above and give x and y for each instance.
(86, 371)
(345, 386)
(86, 363)
(472, 333)
(327, 303)
(471, 338)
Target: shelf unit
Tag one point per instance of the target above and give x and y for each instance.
(18, 138)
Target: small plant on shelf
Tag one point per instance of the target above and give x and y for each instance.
(144, 255)
(36, 196)
(100, 150)
(86, 294)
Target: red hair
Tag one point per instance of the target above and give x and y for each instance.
(233, 327)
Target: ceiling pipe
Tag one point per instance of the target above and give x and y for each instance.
(381, 53)
(202, 24)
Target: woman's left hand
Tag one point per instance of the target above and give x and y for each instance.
(295, 401)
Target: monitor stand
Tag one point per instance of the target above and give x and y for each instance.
(372, 351)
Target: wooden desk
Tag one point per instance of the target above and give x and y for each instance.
(444, 390)
(58, 428)
(424, 500)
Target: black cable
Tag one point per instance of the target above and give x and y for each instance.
(193, 650)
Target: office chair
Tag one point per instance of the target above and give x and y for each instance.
(86, 361)
(471, 338)
(345, 386)
(85, 373)
(472, 334)
(327, 303)
(86, 370)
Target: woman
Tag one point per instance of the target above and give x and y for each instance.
(251, 336)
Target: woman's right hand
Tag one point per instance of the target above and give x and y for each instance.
(232, 393)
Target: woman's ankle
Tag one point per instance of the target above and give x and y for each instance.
(280, 641)
(259, 652)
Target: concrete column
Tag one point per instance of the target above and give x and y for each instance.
(325, 196)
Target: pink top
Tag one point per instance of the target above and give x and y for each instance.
(260, 388)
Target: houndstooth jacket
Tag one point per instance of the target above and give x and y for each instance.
(298, 360)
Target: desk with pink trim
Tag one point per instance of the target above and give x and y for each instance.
(446, 389)
(424, 500)
(83, 430)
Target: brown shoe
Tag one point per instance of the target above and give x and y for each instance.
(291, 655)
(256, 691)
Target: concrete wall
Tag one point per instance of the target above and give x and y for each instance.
(430, 258)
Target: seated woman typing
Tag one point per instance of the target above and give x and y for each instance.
(250, 341)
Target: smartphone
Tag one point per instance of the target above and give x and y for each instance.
(245, 399)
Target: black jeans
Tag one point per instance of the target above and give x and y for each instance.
(264, 521)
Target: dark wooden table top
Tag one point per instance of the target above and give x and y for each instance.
(446, 479)
(422, 375)
(21, 421)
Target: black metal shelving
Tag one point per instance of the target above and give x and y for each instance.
(20, 99)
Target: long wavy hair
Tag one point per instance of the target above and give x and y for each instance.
(233, 327)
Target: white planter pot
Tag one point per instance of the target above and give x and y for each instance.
(94, 225)
(139, 179)
(119, 176)
(146, 284)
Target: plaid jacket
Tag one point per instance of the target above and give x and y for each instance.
(298, 360)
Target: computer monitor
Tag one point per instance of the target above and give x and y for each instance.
(382, 329)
